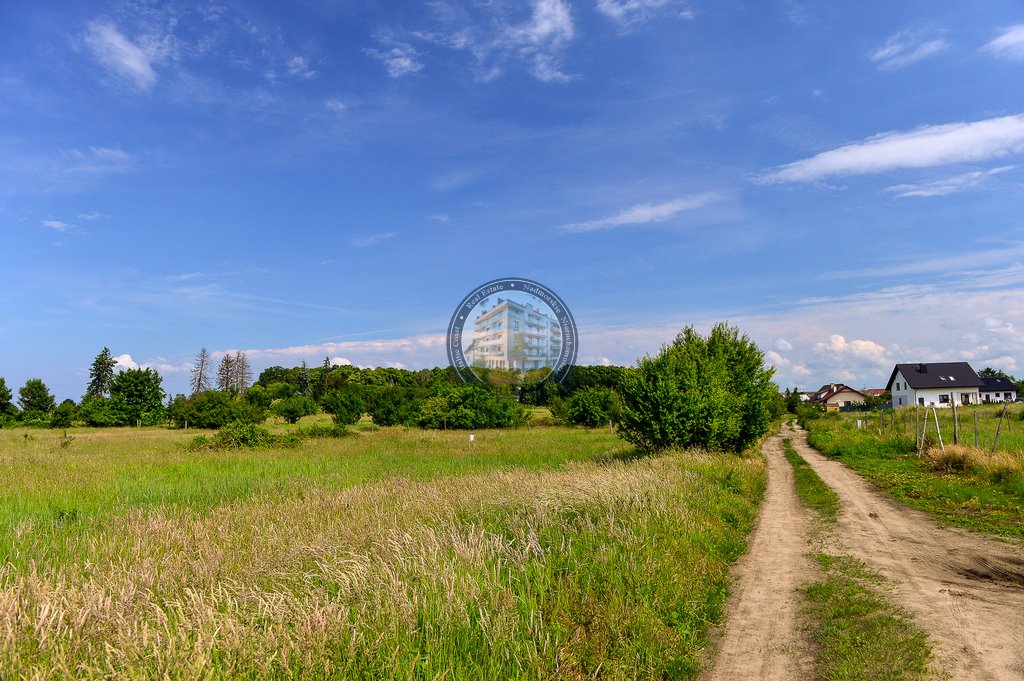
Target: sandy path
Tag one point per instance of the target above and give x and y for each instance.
(965, 589)
(762, 638)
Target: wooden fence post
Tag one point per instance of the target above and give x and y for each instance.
(1000, 426)
(956, 423)
(938, 430)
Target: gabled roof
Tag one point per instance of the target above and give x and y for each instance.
(937, 375)
(999, 383)
(830, 390)
(875, 392)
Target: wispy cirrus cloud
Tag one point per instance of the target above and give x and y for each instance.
(495, 36)
(645, 213)
(629, 12)
(399, 58)
(924, 147)
(1009, 44)
(905, 48)
(947, 185)
(372, 240)
(121, 56)
(947, 265)
(57, 225)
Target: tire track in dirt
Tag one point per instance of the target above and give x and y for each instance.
(762, 638)
(966, 590)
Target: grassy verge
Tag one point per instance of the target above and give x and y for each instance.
(814, 493)
(860, 634)
(574, 564)
(984, 494)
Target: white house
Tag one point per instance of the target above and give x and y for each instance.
(937, 384)
(835, 395)
(998, 389)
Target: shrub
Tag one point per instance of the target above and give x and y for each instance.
(346, 406)
(291, 409)
(709, 392)
(471, 406)
(394, 406)
(64, 415)
(97, 412)
(591, 407)
(212, 409)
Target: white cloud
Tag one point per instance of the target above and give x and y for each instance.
(299, 68)
(948, 185)
(486, 31)
(124, 57)
(645, 213)
(627, 12)
(56, 225)
(400, 59)
(340, 361)
(372, 240)
(440, 217)
(783, 345)
(1009, 44)
(869, 350)
(924, 147)
(905, 48)
(92, 216)
(125, 362)
(335, 105)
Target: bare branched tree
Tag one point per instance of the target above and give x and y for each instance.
(201, 368)
(242, 372)
(226, 373)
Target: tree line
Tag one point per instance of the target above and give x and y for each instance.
(711, 391)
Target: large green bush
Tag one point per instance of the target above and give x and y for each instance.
(591, 407)
(291, 409)
(345, 405)
(712, 392)
(213, 409)
(471, 406)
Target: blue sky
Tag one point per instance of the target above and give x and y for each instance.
(841, 180)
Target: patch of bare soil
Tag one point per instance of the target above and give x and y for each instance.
(966, 590)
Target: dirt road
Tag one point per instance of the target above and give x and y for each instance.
(762, 638)
(965, 589)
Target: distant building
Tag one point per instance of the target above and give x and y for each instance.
(997, 389)
(512, 335)
(938, 384)
(835, 395)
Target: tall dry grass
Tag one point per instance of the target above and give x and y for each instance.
(612, 568)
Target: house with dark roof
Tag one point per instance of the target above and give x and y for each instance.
(997, 389)
(934, 384)
(835, 395)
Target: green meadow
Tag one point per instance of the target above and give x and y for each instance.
(542, 552)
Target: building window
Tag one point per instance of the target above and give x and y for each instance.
(943, 399)
(920, 400)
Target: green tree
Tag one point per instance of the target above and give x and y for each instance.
(7, 407)
(291, 409)
(712, 392)
(64, 415)
(35, 398)
(101, 374)
(591, 407)
(346, 406)
(137, 397)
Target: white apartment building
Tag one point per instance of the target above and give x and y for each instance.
(513, 335)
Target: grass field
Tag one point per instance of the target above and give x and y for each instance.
(965, 487)
(537, 553)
